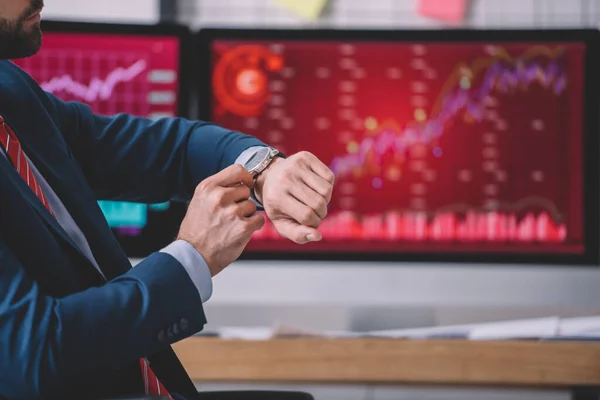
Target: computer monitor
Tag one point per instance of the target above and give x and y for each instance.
(117, 68)
(447, 145)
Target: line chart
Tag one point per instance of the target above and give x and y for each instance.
(98, 88)
(501, 75)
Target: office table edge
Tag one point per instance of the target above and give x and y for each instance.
(386, 361)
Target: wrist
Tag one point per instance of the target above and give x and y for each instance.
(194, 264)
(210, 263)
(259, 182)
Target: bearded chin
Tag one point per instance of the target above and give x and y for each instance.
(15, 42)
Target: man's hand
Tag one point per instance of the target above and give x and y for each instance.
(220, 219)
(295, 193)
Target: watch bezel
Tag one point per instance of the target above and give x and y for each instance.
(264, 163)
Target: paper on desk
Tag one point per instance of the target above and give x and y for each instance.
(579, 327)
(451, 331)
(294, 331)
(523, 329)
(246, 333)
(278, 331)
(518, 329)
(535, 328)
(310, 9)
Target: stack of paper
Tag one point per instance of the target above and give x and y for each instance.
(584, 327)
(520, 329)
(537, 328)
(550, 328)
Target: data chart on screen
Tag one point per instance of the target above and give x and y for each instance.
(436, 147)
(113, 73)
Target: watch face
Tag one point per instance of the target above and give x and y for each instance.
(257, 159)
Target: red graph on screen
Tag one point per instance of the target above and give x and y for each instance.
(113, 74)
(449, 227)
(461, 98)
(441, 147)
(98, 88)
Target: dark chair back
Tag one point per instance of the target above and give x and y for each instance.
(255, 395)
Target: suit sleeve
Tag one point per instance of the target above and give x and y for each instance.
(137, 159)
(48, 342)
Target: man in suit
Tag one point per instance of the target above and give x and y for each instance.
(76, 321)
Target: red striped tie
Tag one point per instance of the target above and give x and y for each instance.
(10, 144)
(15, 153)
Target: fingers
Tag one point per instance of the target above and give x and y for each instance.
(296, 232)
(235, 194)
(320, 169)
(231, 176)
(318, 184)
(245, 212)
(255, 222)
(300, 212)
(249, 226)
(316, 175)
(231, 185)
(306, 195)
(246, 208)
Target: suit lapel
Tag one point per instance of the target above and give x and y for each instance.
(50, 155)
(25, 191)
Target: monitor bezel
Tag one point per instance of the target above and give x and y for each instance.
(591, 163)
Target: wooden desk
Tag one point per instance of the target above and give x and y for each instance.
(380, 361)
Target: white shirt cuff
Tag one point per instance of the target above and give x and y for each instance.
(194, 264)
(246, 154)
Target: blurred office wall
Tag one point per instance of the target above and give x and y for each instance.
(140, 11)
(392, 14)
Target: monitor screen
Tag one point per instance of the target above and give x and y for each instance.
(439, 146)
(117, 69)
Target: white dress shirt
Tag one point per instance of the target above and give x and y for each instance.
(182, 251)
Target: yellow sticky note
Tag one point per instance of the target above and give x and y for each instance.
(310, 9)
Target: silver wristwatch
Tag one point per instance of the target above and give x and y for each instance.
(260, 160)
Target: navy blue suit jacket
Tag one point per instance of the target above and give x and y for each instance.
(64, 331)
